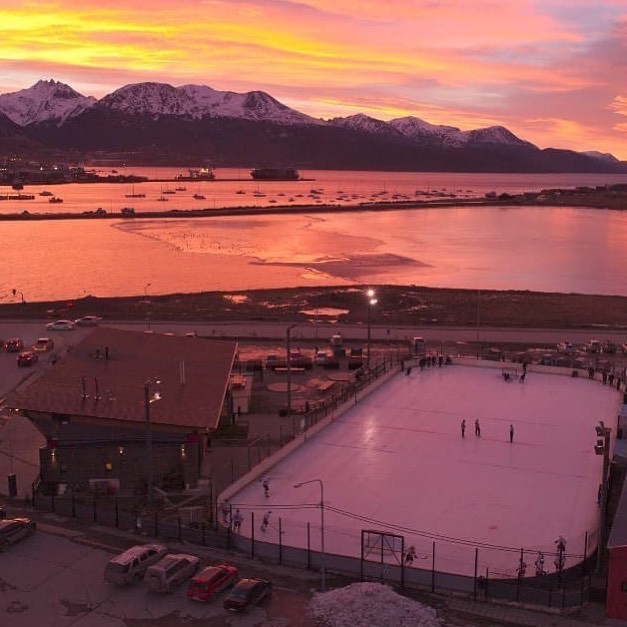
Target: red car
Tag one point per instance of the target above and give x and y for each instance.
(27, 358)
(212, 580)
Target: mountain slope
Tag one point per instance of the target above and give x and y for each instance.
(43, 102)
(159, 123)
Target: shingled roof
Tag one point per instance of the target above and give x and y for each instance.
(104, 376)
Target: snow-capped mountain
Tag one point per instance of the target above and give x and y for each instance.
(602, 156)
(157, 122)
(42, 102)
(422, 131)
(197, 101)
(450, 136)
(364, 123)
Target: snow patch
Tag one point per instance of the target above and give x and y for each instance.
(370, 605)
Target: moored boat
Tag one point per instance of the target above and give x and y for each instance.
(275, 174)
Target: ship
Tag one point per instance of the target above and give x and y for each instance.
(198, 174)
(275, 174)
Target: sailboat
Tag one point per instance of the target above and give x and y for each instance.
(133, 194)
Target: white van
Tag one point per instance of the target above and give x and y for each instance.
(171, 571)
(131, 565)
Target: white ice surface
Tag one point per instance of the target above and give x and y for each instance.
(398, 461)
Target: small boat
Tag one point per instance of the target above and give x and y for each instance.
(162, 199)
(46, 193)
(168, 191)
(199, 197)
(55, 199)
(133, 194)
(240, 191)
(180, 189)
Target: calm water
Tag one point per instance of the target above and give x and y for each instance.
(546, 249)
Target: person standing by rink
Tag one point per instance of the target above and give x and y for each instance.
(237, 521)
(511, 433)
(410, 555)
(477, 428)
(266, 487)
(540, 564)
(463, 427)
(266, 520)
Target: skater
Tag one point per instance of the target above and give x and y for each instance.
(408, 371)
(511, 433)
(266, 520)
(540, 564)
(237, 521)
(477, 428)
(521, 379)
(463, 426)
(410, 556)
(266, 487)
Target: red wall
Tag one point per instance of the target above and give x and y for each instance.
(617, 583)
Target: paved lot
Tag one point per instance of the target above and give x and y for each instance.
(54, 579)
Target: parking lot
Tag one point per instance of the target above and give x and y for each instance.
(55, 578)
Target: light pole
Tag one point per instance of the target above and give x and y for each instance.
(147, 302)
(148, 399)
(370, 294)
(322, 554)
(602, 447)
(288, 348)
(478, 318)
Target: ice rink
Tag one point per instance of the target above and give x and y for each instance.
(397, 462)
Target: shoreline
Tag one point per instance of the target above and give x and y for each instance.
(613, 197)
(397, 306)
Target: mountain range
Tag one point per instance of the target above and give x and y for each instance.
(158, 123)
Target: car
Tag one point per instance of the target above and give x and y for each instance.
(321, 358)
(211, 581)
(566, 347)
(87, 321)
(171, 571)
(43, 345)
(131, 565)
(61, 325)
(27, 358)
(14, 529)
(14, 345)
(247, 592)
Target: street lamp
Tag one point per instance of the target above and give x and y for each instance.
(371, 301)
(322, 554)
(602, 447)
(288, 348)
(478, 318)
(147, 303)
(148, 399)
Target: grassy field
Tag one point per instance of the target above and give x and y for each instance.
(397, 305)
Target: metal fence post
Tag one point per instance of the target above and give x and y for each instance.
(117, 514)
(73, 505)
(179, 526)
(308, 546)
(433, 567)
(156, 525)
(280, 542)
(252, 534)
(95, 509)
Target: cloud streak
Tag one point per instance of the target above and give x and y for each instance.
(551, 71)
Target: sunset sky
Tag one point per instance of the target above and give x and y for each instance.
(552, 71)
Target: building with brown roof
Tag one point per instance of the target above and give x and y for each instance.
(124, 408)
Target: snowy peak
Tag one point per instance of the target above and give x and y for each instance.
(601, 156)
(362, 122)
(44, 101)
(495, 135)
(198, 101)
(153, 99)
(422, 131)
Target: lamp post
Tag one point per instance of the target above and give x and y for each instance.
(322, 554)
(602, 447)
(147, 302)
(288, 348)
(478, 318)
(370, 294)
(148, 399)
